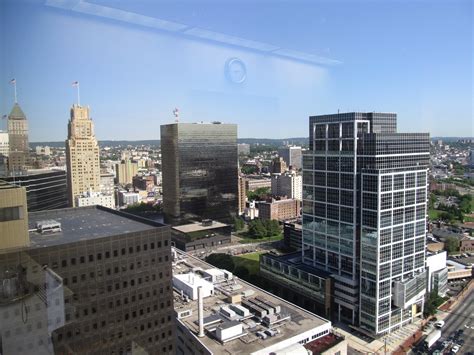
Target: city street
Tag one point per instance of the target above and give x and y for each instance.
(462, 317)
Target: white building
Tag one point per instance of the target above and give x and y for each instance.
(222, 321)
(4, 145)
(128, 198)
(91, 198)
(437, 272)
(288, 184)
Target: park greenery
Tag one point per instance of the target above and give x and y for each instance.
(453, 212)
(259, 229)
(144, 207)
(451, 244)
(238, 224)
(259, 194)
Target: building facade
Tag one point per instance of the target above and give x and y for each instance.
(45, 189)
(281, 210)
(125, 171)
(107, 186)
(13, 217)
(90, 198)
(18, 157)
(95, 281)
(292, 156)
(242, 194)
(82, 154)
(288, 184)
(364, 216)
(200, 171)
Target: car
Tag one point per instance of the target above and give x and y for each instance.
(439, 324)
(461, 342)
(455, 349)
(445, 344)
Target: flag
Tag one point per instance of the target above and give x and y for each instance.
(75, 84)
(4, 117)
(13, 81)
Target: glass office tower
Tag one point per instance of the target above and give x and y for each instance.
(364, 216)
(200, 171)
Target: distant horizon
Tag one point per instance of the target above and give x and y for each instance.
(238, 138)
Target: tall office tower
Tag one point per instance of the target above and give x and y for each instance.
(200, 173)
(292, 156)
(125, 171)
(242, 194)
(288, 184)
(82, 155)
(364, 216)
(18, 140)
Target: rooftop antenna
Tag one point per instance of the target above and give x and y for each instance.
(75, 84)
(176, 114)
(13, 82)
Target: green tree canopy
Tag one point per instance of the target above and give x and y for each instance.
(221, 261)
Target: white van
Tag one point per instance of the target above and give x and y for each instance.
(439, 324)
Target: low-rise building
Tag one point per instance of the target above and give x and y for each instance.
(292, 235)
(233, 316)
(254, 183)
(91, 198)
(288, 184)
(282, 210)
(107, 185)
(299, 283)
(128, 198)
(201, 235)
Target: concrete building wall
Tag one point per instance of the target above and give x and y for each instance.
(13, 217)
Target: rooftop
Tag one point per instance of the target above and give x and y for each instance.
(324, 343)
(83, 223)
(198, 226)
(292, 320)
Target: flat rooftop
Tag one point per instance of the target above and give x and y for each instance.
(197, 226)
(299, 320)
(85, 223)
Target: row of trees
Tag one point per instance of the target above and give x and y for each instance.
(259, 194)
(263, 228)
(225, 261)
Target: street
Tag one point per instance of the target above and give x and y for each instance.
(462, 317)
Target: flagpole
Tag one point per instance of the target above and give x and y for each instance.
(14, 88)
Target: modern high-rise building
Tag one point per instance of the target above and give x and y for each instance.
(242, 194)
(18, 140)
(200, 171)
(82, 154)
(364, 216)
(292, 156)
(45, 189)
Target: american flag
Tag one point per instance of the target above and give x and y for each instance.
(13, 81)
(75, 83)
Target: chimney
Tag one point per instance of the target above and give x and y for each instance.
(200, 313)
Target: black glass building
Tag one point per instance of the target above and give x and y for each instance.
(200, 171)
(45, 189)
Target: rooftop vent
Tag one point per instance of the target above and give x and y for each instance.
(48, 226)
(206, 222)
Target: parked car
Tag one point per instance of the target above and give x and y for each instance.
(439, 324)
(455, 349)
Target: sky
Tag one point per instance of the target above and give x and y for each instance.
(414, 58)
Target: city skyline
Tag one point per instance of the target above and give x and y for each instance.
(428, 91)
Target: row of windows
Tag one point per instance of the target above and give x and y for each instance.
(107, 255)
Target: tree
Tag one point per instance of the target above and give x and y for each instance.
(258, 194)
(451, 244)
(433, 301)
(221, 261)
(241, 271)
(238, 224)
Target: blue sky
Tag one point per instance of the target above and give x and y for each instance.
(410, 57)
